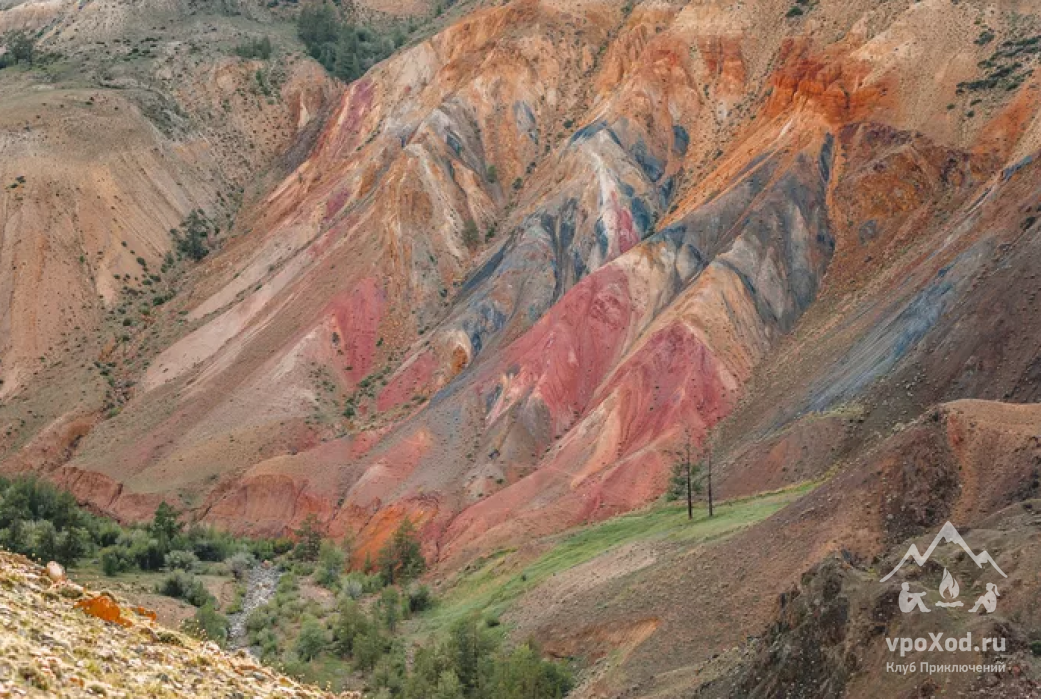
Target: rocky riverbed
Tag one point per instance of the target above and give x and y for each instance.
(261, 583)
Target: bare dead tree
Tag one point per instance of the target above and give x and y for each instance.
(685, 474)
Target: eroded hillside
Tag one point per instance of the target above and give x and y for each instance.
(523, 255)
(519, 261)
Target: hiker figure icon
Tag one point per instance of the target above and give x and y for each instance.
(989, 599)
(909, 601)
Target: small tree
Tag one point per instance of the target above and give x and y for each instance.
(690, 478)
(21, 47)
(390, 608)
(350, 624)
(312, 640)
(192, 239)
(309, 539)
(401, 558)
(331, 560)
(165, 524)
(449, 686)
(708, 474)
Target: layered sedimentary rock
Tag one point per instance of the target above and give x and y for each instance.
(528, 256)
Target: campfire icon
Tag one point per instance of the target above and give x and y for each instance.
(949, 591)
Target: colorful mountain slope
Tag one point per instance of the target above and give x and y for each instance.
(525, 255)
(522, 259)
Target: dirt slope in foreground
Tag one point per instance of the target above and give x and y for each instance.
(50, 646)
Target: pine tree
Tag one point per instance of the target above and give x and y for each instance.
(401, 558)
(165, 524)
(309, 539)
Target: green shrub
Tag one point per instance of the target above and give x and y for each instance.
(181, 560)
(351, 587)
(254, 48)
(239, 565)
(449, 686)
(185, 586)
(312, 639)
(260, 619)
(176, 584)
(286, 584)
(331, 561)
(197, 594)
(147, 552)
(419, 598)
(471, 236)
(115, 560)
(211, 544)
(208, 624)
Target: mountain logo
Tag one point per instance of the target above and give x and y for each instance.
(949, 588)
(947, 534)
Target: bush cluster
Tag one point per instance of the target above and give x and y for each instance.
(44, 523)
(254, 48)
(470, 663)
(194, 236)
(21, 48)
(343, 48)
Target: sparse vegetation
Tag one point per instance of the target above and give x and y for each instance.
(1007, 68)
(471, 236)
